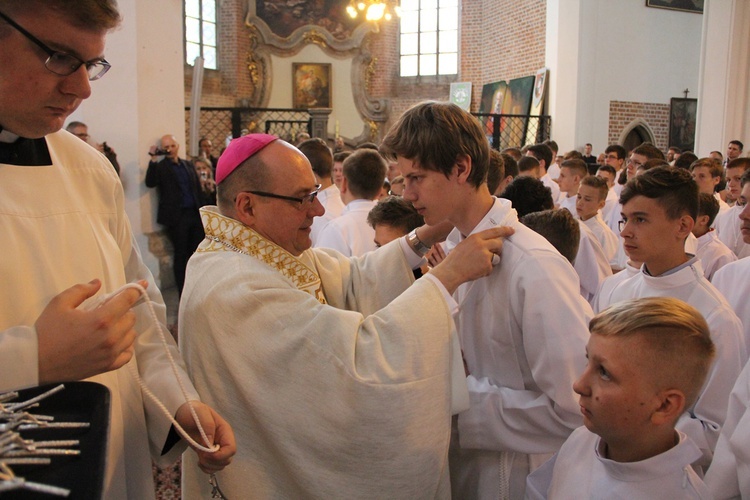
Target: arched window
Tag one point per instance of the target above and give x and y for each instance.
(429, 37)
(200, 32)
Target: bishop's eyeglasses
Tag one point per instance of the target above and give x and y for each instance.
(62, 63)
(304, 202)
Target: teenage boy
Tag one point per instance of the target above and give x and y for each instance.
(733, 280)
(647, 360)
(729, 475)
(728, 223)
(520, 327)
(591, 197)
(545, 155)
(321, 160)
(571, 173)
(712, 253)
(707, 173)
(659, 208)
(349, 233)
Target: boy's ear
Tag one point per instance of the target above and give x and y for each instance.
(687, 224)
(702, 220)
(602, 203)
(462, 168)
(671, 407)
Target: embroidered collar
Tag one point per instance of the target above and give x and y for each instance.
(226, 234)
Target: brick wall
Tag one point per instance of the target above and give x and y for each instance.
(231, 82)
(622, 113)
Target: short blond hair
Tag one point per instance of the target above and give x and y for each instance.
(676, 334)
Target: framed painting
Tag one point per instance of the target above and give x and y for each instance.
(682, 117)
(311, 85)
(517, 102)
(683, 5)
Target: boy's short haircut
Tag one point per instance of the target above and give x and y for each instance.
(510, 164)
(743, 163)
(609, 169)
(552, 145)
(618, 150)
(434, 134)
(542, 152)
(394, 211)
(745, 178)
(685, 160)
(319, 155)
(514, 152)
(559, 227)
(496, 171)
(364, 172)
(573, 155)
(653, 163)
(597, 183)
(341, 156)
(649, 151)
(708, 205)
(576, 167)
(673, 188)
(528, 195)
(718, 153)
(738, 144)
(367, 145)
(527, 163)
(677, 335)
(714, 166)
(674, 149)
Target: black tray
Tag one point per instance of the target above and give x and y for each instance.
(83, 475)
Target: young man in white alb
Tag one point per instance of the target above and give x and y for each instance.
(659, 211)
(522, 328)
(711, 251)
(727, 224)
(592, 194)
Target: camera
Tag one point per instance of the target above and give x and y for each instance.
(159, 152)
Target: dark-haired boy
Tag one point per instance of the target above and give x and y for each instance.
(659, 208)
(520, 327)
(727, 224)
(321, 160)
(350, 234)
(592, 194)
(711, 251)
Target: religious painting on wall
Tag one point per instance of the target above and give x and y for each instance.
(682, 118)
(517, 102)
(311, 85)
(283, 17)
(533, 129)
(493, 96)
(683, 5)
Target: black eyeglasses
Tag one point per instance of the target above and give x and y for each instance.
(62, 63)
(304, 202)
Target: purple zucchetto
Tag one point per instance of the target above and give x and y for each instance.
(239, 150)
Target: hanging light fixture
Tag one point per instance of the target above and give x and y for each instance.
(373, 10)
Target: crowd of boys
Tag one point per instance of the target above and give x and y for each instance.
(323, 375)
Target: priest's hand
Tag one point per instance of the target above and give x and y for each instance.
(217, 430)
(74, 343)
(473, 258)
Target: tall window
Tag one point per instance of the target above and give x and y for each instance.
(200, 32)
(429, 37)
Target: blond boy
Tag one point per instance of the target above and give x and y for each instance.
(571, 173)
(647, 361)
(591, 197)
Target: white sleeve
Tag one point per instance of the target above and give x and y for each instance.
(332, 237)
(19, 358)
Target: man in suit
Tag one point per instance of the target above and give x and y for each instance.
(179, 200)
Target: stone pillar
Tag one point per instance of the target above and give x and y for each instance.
(138, 101)
(724, 89)
(319, 118)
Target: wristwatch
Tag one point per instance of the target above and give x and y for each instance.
(416, 244)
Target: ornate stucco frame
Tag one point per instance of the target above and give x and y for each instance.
(264, 43)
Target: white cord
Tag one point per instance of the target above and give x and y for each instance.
(209, 447)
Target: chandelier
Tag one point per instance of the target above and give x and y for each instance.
(374, 10)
